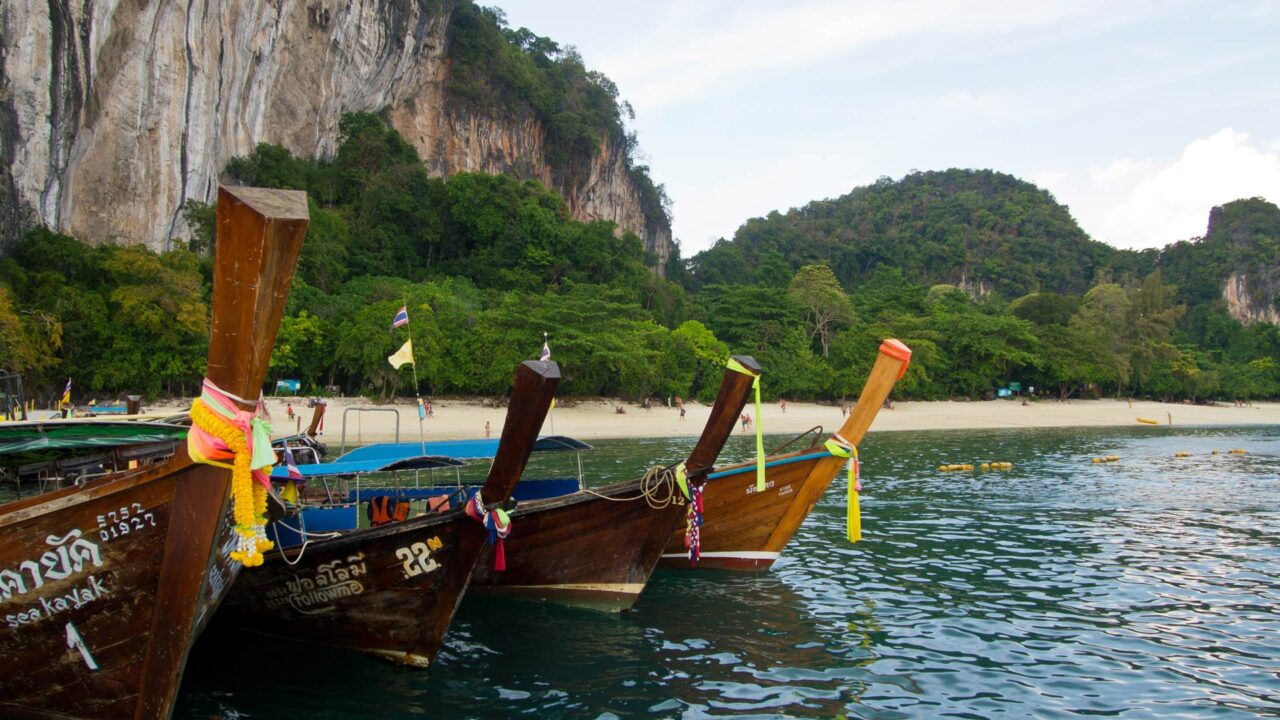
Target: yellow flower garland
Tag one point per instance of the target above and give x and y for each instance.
(249, 498)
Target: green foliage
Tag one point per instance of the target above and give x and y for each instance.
(977, 229)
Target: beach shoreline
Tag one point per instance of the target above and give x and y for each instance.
(596, 418)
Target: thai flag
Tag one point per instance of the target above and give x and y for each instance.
(294, 472)
(66, 393)
(402, 318)
(546, 353)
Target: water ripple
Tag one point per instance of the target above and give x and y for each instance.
(1146, 588)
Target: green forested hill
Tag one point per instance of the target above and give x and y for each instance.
(983, 230)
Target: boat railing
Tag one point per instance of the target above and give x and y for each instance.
(359, 412)
(815, 431)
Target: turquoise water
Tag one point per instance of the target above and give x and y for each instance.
(1147, 588)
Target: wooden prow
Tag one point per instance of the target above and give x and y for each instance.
(890, 365)
(251, 281)
(534, 388)
(317, 415)
(531, 396)
(735, 390)
(260, 234)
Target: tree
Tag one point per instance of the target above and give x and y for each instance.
(826, 307)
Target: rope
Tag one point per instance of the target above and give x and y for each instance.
(306, 540)
(222, 431)
(497, 522)
(736, 366)
(842, 448)
(660, 487)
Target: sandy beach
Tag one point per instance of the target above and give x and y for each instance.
(596, 418)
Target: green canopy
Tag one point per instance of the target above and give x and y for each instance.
(41, 441)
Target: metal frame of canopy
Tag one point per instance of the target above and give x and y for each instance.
(479, 449)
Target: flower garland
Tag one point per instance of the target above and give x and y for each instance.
(222, 431)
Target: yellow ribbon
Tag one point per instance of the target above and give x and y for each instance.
(853, 511)
(682, 479)
(736, 366)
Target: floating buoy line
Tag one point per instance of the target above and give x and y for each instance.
(969, 466)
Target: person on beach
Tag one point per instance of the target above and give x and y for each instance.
(746, 420)
(288, 410)
(487, 429)
(682, 412)
(783, 403)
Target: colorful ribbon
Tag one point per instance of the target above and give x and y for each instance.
(693, 526)
(853, 510)
(736, 366)
(497, 522)
(222, 431)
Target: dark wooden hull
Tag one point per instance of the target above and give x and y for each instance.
(105, 629)
(582, 549)
(389, 591)
(745, 530)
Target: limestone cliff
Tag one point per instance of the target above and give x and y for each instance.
(112, 113)
(1243, 242)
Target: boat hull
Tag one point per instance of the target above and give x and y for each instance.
(745, 530)
(582, 549)
(389, 591)
(104, 588)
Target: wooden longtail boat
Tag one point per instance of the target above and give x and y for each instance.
(747, 530)
(104, 586)
(598, 547)
(392, 590)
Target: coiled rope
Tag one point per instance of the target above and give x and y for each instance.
(660, 487)
(222, 431)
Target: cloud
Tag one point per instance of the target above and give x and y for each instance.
(1156, 205)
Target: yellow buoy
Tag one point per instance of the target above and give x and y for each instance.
(1182, 453)
(1213, 452)
(985, 466)
(1239, 451)
(1148, 421)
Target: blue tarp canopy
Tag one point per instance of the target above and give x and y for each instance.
(484, 449)
(352, 467)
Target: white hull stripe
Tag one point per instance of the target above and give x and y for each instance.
(740, 555)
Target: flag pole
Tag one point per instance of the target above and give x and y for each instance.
(422, 437)
(551, 414)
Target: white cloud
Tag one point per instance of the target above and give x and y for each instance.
(1153, 206)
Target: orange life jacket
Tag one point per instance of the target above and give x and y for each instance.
(379, 510)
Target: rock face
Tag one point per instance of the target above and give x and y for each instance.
(1243, 306)
(113, 113)
(1246, 233)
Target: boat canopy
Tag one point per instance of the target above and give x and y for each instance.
(22, 443)
(355, 467)
(484, 449)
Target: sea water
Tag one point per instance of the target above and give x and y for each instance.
(1143, 588)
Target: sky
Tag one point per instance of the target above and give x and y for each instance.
(1139, 116)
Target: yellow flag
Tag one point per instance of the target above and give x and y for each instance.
(403, 356)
